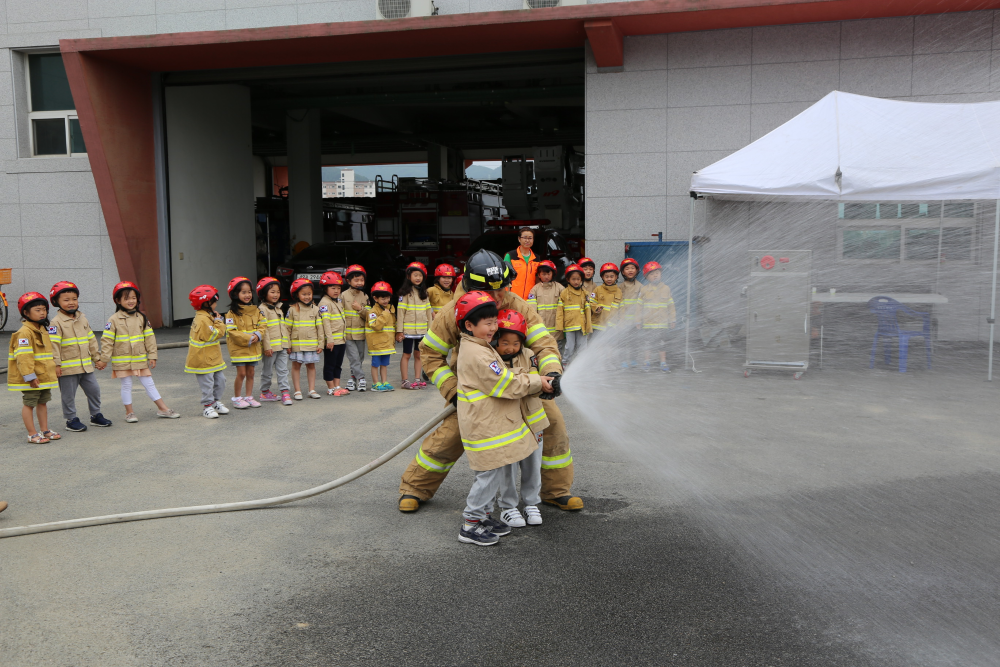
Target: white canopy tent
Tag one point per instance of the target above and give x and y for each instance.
(854, 148)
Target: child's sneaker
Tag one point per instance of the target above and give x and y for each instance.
(646, 367)
(220, 408)
(340, 391)
(76, 425)
(267, 396)
(251, 401)
(498, 528)
(100, 420)
(210, 412)
(512, 518)
(350, 384)
(634, 363)
(664, 367)
(478, 534)
(420, 385)
(362, 384)
(408, 385)
(239, 403)
(387, 387)
(533, 516)
(286, 398)
(624, 365)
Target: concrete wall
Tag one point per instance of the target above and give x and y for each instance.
(210, 172)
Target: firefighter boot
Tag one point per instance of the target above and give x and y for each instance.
(566, 502)
(409, 503)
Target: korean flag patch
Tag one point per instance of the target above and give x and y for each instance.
(52, 331)
(496, 367)
(230, 320)
(22, 341)
(324, 309)
(593, 295)
(107, 327)
(372, 317)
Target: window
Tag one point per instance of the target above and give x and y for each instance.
(55, 128)
(918, 232)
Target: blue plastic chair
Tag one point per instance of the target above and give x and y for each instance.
(887, 310)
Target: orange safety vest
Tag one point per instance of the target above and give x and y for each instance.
(525, 267)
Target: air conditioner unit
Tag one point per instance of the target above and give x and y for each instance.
(401, 9)
(541, 4)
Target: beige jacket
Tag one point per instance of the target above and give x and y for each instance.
(573, 313)
(29, 357)
(413, 315)
(658, 311)
(275, 328)
(126, 344)
(306, 326)
(493, 429)
(354, 323)
(334, 323)
(531, 406)
(380, 326)
(438, 297)
(630, 312)
(610, 298)
(204, 352)
(544, 298)
(74, 345)
(240, 328)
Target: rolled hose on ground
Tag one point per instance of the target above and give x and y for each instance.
(228, 507)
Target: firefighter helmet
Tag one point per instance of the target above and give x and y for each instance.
(446, 270)
(573, 268)
(418, 266)
(299, 284)
(264, 284)
(30, 299)
(469, 303)
(511, 320)
(234, 283)
(330, 278)
(610, 266)
(584, 261)
(59, 288)
(381, 287)
(353, 269)
(201, 295)
(651, 266)
(485, 271)
(627, 261)
(124, 285)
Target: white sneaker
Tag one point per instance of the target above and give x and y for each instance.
(512, 518)
(210, 413)
(362, 385)
(220, 408)
(350, 383)
(534, 516)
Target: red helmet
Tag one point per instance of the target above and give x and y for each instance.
(511, 320)
(417, 265)
(299, 284)
(30, 299)
(201, 295)
(446, 270)
(355, 268)
(123, 285)
(584, 261)
(383, 287)
(629, 260)
(59, 288)
(331, 278)
(236, 281)
(573, 268)
(263, 284)
(546, 264)
(610, 266)
(470, 302)
(651, 266)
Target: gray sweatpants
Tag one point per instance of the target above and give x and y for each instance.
(574, 345)
(483, 492)
(531, 480)
(356, 355)
(212, 385)
(67, 390)
(278, 364)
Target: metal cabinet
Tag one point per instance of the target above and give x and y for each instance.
(778, 310)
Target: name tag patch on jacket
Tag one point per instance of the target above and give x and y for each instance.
(495, 367)
(107, 327)
(22, 341)
(52, 330)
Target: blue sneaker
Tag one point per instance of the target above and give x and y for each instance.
(664, 367)
(498, 528)
(646, 367)
(478, 534)
(624, 365)
(634, 364)
(99, 420)
(387, 387)
(75, 424)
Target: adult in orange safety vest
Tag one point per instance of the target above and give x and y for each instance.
(525, 263)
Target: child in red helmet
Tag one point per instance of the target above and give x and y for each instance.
(380, 333)
(630, 312)
(276, 343)
(331, 309)
(355, 301)
(129, 344)
(493, 428)
(544, 296)
(307, 336)
(204, 356)
(605, 299)
(658, 314)
(573, 313)
(441, 293)
(31, 369)
(413, 318)
(244, 333)
(589, 267)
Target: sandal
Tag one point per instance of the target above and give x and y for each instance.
(297, 396)
(37, 439)
(313, 394)
(51, 435)
(340, 391)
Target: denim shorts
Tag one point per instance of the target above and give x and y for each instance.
(380, 360)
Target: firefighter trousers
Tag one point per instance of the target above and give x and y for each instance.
(441, 449)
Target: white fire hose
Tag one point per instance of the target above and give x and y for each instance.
(229, 507)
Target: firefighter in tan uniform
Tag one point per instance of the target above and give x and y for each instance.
(442, 448)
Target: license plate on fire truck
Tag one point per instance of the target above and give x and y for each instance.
(309, 276)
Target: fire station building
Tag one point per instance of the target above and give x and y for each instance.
(137, 135)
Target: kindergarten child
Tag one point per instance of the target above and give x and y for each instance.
(76, 353)
(244, 332)
(589, 268)
(275, 341)
(605, 299)
(490, 419)
(544, 296)
(331, 309)
(440, 293)
(573, 313)
(307, 336)
(129, 344)
(630, 312)
(204, 357)
(658, 314)
(380, 330)
(414, 317)
(355, 300)
(30, 367)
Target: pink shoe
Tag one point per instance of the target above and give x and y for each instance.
(268, 396)
(251, 401)
(239, 403)
(420, 384)
(340, 391)
(286, 398)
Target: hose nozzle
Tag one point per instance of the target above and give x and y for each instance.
(556, 389)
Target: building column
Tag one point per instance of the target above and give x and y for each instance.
(305, 188)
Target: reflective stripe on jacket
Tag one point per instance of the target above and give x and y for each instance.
(544, 298)
(126, 344)
(204, 350)
(354, 323)
(380, 328)
(413, 314)
(275, 327)
(532, 408)
(658, 311)
(573, 313)
(306, 327)
(334, 323)
(240, 328)
(29, 357)
(629, 311)
(74, 345)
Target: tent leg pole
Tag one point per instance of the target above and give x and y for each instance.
(687, 314)
(993, 296)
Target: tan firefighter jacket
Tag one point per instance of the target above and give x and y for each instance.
(438, 297)
(573, 313)
(74, 345)
(413, 314)
(494, 432)
(334, 323)
(240, 328)
(380, 328)
(275, 328)
(658, 311)
(442, 337)
(611, 299)
(544, 298)
(29, 357)
(126, 344)
(354, 323)
(531, 406)
(204, 350)
(306, 327)
(629, 313)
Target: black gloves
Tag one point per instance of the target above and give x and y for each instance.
(556, 390)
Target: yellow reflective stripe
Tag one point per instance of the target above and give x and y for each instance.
(430, 464)
(197, 343)
(305, 341)
(379, 353)
(418, 327)
(575, 328)
(244, 358)
(561, 461)
(70, 341)
(470, 396)
(354, 330)
(74, 362)
(546, 306)
(548, 360)
(435, 343)
(128, 358)
(536, 417)
(201, 371)
(403, 305)
(19, 351)
(498, 441)
(303, 323)
(536, 333)
(440, 375)
(501, 385)
(43, 355)
(28, 387)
